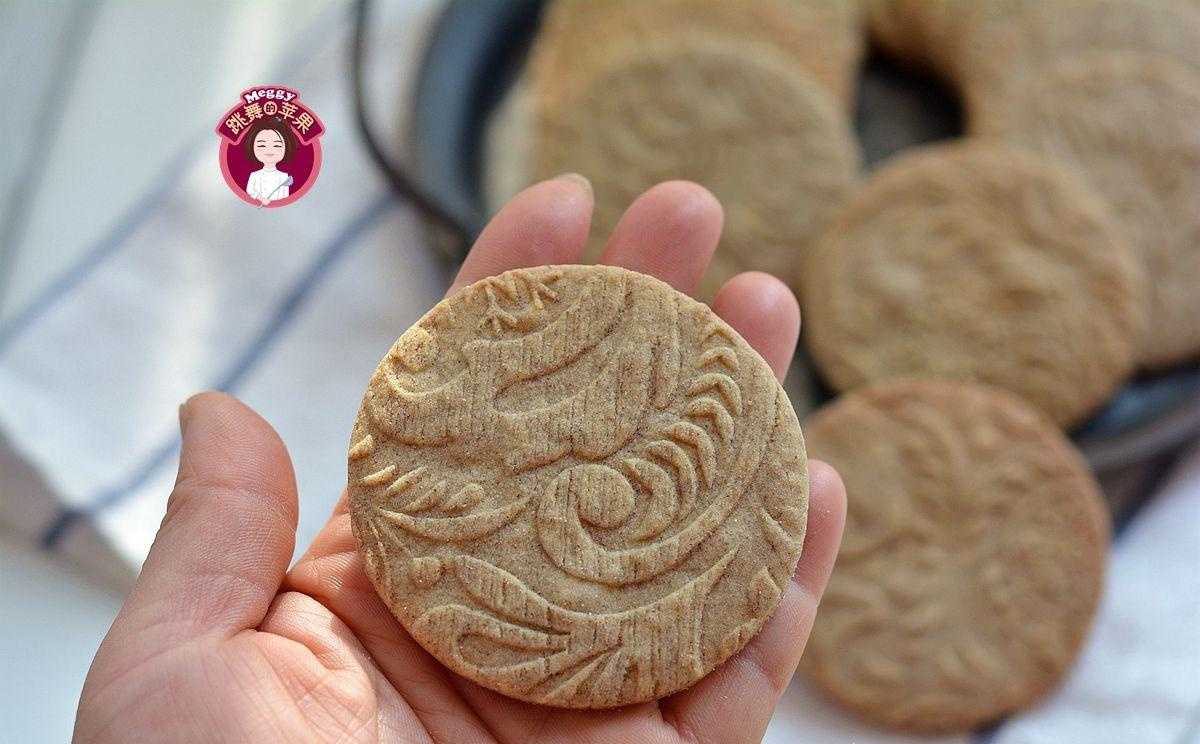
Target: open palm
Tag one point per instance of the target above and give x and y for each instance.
(220, 642)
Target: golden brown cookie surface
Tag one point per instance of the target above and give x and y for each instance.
(753, 129)
(577, 37)
(976, 262)
(1009, 44)
(972, 561)
(577, 486)
(1127, 123)
(921, 32)
(932, 34)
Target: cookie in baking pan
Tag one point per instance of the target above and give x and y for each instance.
(972, 561)
(976, 261)
(742, 121)
(1127, 123)
(576, 38)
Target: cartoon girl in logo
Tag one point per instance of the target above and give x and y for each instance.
(270, 142)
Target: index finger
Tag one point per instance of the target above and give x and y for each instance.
(546, 223)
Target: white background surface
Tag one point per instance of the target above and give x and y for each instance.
(52, 619)
(145, 79)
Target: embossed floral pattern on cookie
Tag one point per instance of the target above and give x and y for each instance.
(972, 561)
(983, 262)
(577, 486)
(743, 121)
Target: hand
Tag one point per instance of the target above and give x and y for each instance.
(219, 642)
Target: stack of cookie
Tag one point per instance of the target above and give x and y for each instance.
(748, 97)
(970, 300)
(976, 538)
(1107, 89)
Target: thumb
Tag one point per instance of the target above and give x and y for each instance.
(228, 533)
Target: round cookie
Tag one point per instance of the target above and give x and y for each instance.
(739, 120)
(1127, 122)
(989, 48)
(577, 486)
(1010, 49)
(972, 561)
(976, 261)
(576, 37)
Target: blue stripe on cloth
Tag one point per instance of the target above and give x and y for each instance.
(242, 365)
(68, 517)
(161, 187)
(100, 251)
(68, 60)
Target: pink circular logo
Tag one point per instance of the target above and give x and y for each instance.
(270, 146)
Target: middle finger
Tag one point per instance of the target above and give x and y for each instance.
(669, 232)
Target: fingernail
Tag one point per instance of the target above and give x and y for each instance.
(184, 414)
(578, 179)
